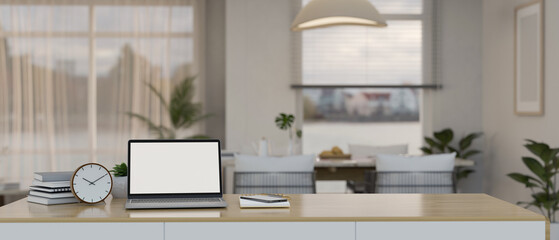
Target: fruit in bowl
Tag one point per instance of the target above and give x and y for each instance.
(335, 153)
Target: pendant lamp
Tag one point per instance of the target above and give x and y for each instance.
(325, 13)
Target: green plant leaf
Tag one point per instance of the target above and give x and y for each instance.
(198, 136)
(431, 142)
(528, 181)
(556, 162)
(548, 156)
(445, 136)
(470, 153)
(284, 121)
(467, 141)
(451, 149)
(540, 197)
(152, 126)
(537, 148)
(434, 144)
(462, 174)
(120, 170)
(536, 167)
(426, 150)
(529, 204)
(299, 133)
(549, 204)
(521, 178)
(182, 111)
(158, 94)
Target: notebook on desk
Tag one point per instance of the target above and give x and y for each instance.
(174, 174)
(245, 203)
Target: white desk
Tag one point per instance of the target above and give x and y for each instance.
(313, 216)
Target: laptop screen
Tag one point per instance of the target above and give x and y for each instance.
(174, 167)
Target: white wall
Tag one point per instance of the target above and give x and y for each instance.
(215, 69)
(476, 70)
(258, 72)
(504, 130)
(458, 104)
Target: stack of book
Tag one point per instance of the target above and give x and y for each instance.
(50, 188)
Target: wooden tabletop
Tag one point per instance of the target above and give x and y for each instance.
(308, 207)
(371, 162)
(348, 163)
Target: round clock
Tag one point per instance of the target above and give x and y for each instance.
(91, 183)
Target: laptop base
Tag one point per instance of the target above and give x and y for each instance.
(174, 203)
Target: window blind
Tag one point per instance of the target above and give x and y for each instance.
(365, 55)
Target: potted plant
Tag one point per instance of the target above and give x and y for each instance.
(441, 144)
(285, 121)
(543, 181)
(183, 112)
(120, 180)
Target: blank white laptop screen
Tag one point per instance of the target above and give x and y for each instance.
(174, 167)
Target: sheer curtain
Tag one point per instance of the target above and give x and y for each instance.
(71, 70)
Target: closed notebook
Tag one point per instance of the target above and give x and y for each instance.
(51, 201)
(53, 176)
(245, 203)
(51, 195)
(50, 190)
(56, 184)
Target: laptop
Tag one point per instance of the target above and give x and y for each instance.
(174, 174)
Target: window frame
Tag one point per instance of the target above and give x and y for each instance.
(430, 38)
(197, 36)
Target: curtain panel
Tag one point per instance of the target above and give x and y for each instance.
(70, 71)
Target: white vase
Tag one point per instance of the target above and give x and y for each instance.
(120, 186)
(290, 147)
(554, 231)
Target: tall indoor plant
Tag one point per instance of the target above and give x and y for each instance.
(441, 143)
(183, 112)
(544, 179)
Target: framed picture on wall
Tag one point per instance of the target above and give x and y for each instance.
(529, 59)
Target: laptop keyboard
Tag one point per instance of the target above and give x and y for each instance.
(175, 200)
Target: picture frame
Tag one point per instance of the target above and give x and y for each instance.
(529, 59)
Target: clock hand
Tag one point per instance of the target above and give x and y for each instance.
(97, 179)
(88, 181)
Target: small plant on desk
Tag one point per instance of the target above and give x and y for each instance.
(120, 170)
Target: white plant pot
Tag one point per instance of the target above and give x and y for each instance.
(120, 186)
(554, 231)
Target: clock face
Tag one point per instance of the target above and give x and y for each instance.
(92, 183)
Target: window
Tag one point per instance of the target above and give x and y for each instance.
(357, 55)
(71, 70)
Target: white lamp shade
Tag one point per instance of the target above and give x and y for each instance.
(324, 13)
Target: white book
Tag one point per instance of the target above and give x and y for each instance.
(51, 201)
(52, 190)
(245, 203)
(51, 195)
(57, 184)
(53, 176)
